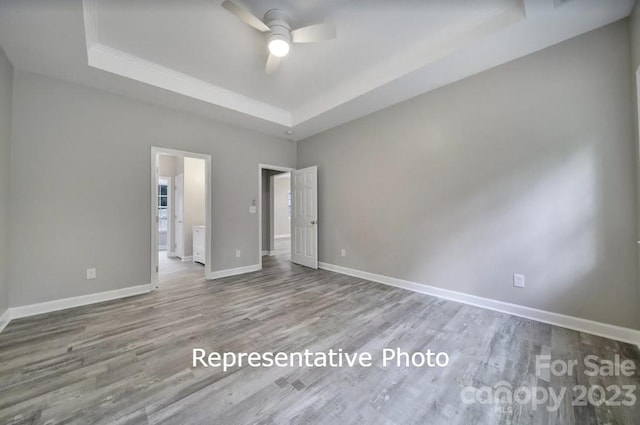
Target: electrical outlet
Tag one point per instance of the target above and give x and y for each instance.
(91, 274)
(518, 280)
(343, 252)
(238, 253)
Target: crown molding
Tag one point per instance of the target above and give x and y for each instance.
(109, 59)
(413, 58)
(519, 28)
(126, 65)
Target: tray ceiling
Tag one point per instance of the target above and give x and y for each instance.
(194, 55)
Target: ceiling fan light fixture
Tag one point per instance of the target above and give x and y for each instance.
(279, 47)
(276, 25)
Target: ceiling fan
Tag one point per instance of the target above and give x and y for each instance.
(277, 25)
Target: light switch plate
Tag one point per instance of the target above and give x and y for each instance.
(252, 209)
(91, 274)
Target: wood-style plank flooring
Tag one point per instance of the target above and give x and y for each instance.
(168, 266)
(129, 361)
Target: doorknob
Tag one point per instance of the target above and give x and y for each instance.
(314, 222)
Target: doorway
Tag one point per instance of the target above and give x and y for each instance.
(276, 213)
(280, 214)
(181, 214)
(295, 239)
(274, 208)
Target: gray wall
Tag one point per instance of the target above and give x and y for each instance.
(526, 168)
(634, 20)
(6, 83)
(81, 178)
(635, 37)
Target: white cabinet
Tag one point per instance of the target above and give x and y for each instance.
(199, 244)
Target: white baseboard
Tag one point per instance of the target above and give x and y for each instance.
(283, 236)
(618, 333)
(171, 254)
(64, 303)
(269, 253)
(5, 319)
(233, 272)
(187, 259)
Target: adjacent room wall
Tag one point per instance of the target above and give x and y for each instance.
(6, 83)
(179, 166)
(527, 168)
(266, 208)
(81, 178)
(281, 222)
(194, 200)
(167, 165)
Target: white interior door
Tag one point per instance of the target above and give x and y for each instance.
(304, 220)
(179, 216)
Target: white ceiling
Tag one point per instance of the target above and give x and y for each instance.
(196, 56)
(205, 41)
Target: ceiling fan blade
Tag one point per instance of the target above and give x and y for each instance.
(314, 33)
(245, 15)
(273, 63)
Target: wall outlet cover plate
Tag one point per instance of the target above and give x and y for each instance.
(518, 280)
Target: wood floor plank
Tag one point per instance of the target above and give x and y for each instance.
(129, 361)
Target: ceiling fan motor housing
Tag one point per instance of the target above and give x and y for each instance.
(279, 23)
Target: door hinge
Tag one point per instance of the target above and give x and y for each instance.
(156, 269)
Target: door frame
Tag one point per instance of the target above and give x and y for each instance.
(155, 153)
(259, 211)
